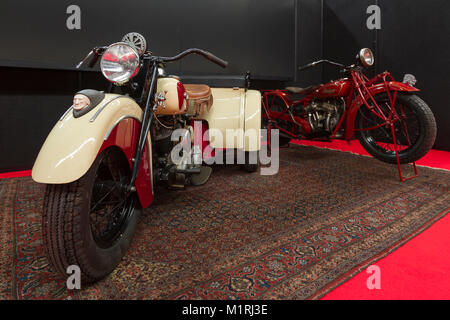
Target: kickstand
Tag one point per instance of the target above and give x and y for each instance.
(416, 172)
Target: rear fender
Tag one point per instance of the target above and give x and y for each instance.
(374, 90)
(74, 143)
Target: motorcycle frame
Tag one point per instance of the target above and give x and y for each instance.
(361, 94)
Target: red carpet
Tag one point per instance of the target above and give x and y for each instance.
(418, 270)
(15, 174)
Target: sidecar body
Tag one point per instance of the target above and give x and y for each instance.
(232, 115)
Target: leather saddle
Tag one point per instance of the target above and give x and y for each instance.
(198, 96)
(298, 90)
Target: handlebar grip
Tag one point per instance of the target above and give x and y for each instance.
(216, 60)
(310, 65)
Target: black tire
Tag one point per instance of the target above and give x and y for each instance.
(416, 116)
(69, 232)
(250, 167)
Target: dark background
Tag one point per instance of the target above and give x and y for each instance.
(271, 38)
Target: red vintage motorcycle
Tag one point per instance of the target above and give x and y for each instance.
(391, 122)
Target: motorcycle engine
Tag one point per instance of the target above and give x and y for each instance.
(323, 116)
(189, 159)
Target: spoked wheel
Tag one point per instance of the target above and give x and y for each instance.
(415, 129)
(90, 222)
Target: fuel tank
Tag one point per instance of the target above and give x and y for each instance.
(334, 89)
(170, 97)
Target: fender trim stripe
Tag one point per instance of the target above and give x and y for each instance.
(117, 122)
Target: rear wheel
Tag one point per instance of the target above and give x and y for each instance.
(415, 130)
(90, 222)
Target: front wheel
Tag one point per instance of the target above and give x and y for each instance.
(90, 222)
(415, 129)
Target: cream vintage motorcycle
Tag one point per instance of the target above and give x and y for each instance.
(107, 152)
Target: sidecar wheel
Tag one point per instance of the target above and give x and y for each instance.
(90, 222)
(416, 119)
(250, 167)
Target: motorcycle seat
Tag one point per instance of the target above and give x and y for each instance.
(199, 95)
(298, 90)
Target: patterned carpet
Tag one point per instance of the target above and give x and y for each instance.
(296, 235)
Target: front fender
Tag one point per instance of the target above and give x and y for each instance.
(393, 86)
(74, 143)
(374, 90)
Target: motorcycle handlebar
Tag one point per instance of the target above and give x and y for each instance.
(204, 53)
(98, 51)
(93, 61)
(95, 54)
(315, 63)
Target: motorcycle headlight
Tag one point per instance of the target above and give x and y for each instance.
(120, 62)
(366, 57)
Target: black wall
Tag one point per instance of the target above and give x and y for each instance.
(270, 38)
(36, 35)
(413, 39)
(309, 40)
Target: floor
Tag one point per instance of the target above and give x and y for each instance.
(418, 270)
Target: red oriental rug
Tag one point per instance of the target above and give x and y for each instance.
(295, 235)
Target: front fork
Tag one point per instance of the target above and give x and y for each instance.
(145, 128)
(387, 120)
(363, 91)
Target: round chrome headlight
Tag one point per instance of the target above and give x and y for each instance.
(120, 62)
(366, 57)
